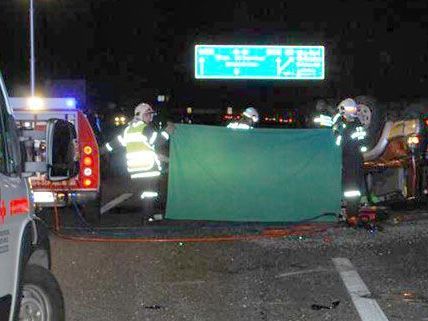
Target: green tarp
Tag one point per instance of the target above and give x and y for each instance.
(258, 175)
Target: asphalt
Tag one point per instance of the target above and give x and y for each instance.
(271, 279)
(264, 279)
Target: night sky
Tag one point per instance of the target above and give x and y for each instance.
(130, 50)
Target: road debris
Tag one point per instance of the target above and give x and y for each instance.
(153, 307)
(318, 307)
(414, 297)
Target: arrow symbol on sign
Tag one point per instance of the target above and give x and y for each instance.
(279, 68)
(201, 65)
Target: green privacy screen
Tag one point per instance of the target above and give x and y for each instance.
(259, 175)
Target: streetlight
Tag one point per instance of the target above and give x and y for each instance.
(32, 65)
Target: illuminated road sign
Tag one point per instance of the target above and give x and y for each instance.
(259, 62)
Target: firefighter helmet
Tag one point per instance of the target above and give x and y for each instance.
(251, 113)
(142, 110)
(348, 108)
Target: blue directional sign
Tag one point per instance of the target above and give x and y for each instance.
(259, 62)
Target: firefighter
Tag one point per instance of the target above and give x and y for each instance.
(248, 119)
(144, 165)
(350, 134)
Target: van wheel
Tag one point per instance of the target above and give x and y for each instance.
(41, 298)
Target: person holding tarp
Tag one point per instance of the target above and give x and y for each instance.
(141, 138)
(248, 119)
(351, 135)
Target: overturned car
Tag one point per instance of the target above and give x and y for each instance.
(394, 154)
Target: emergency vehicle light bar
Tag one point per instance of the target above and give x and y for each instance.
(25, 103)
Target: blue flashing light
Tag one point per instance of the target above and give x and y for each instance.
(70, 102)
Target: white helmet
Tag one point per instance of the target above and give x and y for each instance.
(251, 113)
(141, 110)
(348, 108)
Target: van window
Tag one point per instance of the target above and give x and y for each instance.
(10, 145)
(3, 157)
(13, 146)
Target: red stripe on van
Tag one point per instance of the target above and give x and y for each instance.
(19, 206)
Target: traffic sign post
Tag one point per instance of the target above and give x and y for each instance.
(259, 62)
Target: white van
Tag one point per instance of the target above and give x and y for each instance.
(28, 290)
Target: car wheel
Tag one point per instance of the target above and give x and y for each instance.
(375, 118)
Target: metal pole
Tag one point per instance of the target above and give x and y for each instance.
(32, 66)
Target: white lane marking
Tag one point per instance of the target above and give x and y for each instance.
(115, 202)
(368, 309)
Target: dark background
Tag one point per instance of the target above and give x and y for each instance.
(130, 50)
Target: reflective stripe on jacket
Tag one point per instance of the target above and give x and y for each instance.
(140, 153)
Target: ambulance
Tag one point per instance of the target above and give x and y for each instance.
(84, 189)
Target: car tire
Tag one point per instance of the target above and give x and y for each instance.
(378, 118)
(41, 297)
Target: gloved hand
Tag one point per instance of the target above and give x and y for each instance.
(170, 127)
(163, 158)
